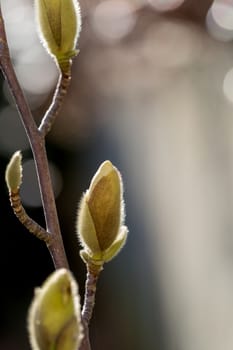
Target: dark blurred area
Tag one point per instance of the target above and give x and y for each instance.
(152, 91)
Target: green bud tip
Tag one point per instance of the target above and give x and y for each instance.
(101, 216)
(59, 25)
(13, 175)
(54, 320)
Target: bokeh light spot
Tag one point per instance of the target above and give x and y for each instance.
(219, 20)
(112, 20)
(215, 30)
(36, 78)
(223, 13)
(35, 69)
(20, 25)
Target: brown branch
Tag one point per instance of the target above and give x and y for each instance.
(37, 143)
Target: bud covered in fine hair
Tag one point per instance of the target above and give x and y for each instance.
(100, 216)
(59, 23)
(13, 175)
(54, 320)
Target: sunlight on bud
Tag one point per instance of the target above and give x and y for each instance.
(228, 85)
(101, 215)
(219, 20)
(54, 320)
(165, 5)
(59, 24)
(113, 19)
(13, 175)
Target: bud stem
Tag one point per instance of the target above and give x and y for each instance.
(93, 272)
(23, 217)
(58, 98)
(90, 290)
(85, 344)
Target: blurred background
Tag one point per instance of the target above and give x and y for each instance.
(152, 91)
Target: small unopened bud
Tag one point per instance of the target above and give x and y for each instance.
(59, 23)
(13, 175)
(54, 320)
(100, 216)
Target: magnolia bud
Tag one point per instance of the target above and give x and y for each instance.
(59, 23)
(101, 215)
(13, 173)
(54, 320)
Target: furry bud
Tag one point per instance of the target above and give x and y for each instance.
(100, 216)
(54, 320)
(13, 175)
(59, 23)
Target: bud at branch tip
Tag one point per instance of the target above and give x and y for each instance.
(101, 214)
(59, 24)
(13, 175)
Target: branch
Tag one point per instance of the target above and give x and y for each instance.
(37, 143)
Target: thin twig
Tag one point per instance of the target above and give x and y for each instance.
(93, 272)
(90, 290)
(37, 143)
(85, 344)
(58, 98)
(23, 217)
